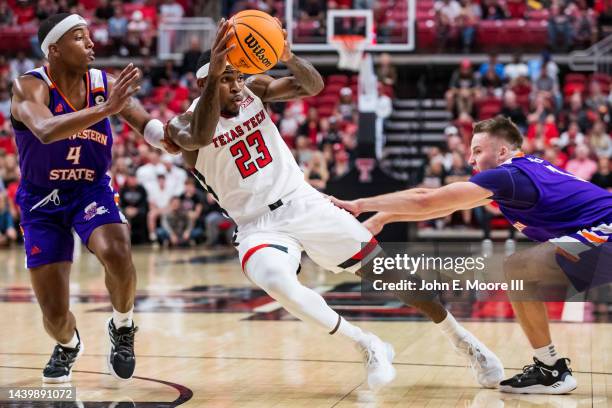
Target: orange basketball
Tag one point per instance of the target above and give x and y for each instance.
(259, 42)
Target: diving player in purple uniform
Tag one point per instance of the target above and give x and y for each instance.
(60, 116)
(571, 218)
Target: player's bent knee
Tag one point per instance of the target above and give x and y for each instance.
(115, 252)
(515, 267)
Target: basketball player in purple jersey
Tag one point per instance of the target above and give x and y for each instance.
(571, 218)
(60, 117)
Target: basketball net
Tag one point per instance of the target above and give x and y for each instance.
(350, 50)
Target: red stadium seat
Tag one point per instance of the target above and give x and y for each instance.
(575, 78)
(538, 34)
(337, 79)
(326, 111)
(537, 14)
(571, 88)
(487, 34)
(512, 33)
(603, 80)
(426, 34)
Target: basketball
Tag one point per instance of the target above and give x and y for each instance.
(259, 42)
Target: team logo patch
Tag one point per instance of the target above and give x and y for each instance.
(92, 210)
(246, 102)
(99, 99)
(519, 226)
(59, 108)
(35, 250)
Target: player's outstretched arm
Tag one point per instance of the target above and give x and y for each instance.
(208, 109)
(305, 80)
(30, 106)
(416, 202)
(142, 122)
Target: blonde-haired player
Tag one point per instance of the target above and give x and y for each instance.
(237, 153)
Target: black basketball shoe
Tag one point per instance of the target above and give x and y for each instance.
(539, 378)
(59, 368)
(121, 359)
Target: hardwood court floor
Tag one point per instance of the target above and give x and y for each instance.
(207, 338)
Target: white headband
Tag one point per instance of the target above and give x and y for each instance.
(202, 72)
(59, 30)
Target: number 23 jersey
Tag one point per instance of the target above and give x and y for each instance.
(247, 166)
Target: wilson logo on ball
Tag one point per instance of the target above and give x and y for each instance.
(258, 51)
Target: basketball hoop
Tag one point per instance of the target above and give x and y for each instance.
(350, 50)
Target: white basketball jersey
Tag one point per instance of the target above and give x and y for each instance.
(247, 166)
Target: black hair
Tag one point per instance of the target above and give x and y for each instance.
(204, 59)
(48, 25)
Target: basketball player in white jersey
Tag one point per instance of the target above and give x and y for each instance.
(238, 155)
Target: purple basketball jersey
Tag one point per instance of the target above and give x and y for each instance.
(79, 160)
(566, 203)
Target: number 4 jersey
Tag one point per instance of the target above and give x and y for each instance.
(82, 159)
(247, 166)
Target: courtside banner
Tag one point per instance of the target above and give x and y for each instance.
(486, 271)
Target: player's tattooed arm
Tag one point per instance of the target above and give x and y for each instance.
(305, 80)
(31, 99)
(420, 202)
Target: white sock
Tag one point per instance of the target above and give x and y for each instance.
(546, 354)
(350, 331)
(123, 319)
(72, 343)
(451, 328)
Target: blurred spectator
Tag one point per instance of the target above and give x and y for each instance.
(192, 203)
(576, 113)
(433, 173)
(346, 106)
(541, 134)
(293, 116)
(45, 8)
(5, 102)
(600, 140)
(104, 12)
(559, 27)
(216, 223)
(597, 101)
(8, 233)
(447, 13)
(162, 113)
(316, 173)
(176, 227)
(494, 10)
(585, 27)
(491, 82)
(134, 204)
(468, 22)
(20, 65)
(603, 177)
(512, 110)
(571, 137)
(303, 150)
(311, 127)
(159, 196)
(517, 70)
(174, 173)
(117, 30)
(492, 65)
(546, 85)
(386, 72)
(341, 163)
(147, 174)
(170, 9)
(11, 169)
(582, 166)
(191, 56)
(6, 14)
(463, 89)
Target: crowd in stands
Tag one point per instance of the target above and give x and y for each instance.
(564, 23)
(564, 120)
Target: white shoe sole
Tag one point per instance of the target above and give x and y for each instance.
(108, 357)
(560, 387)
(494, 364)
(64, 378)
